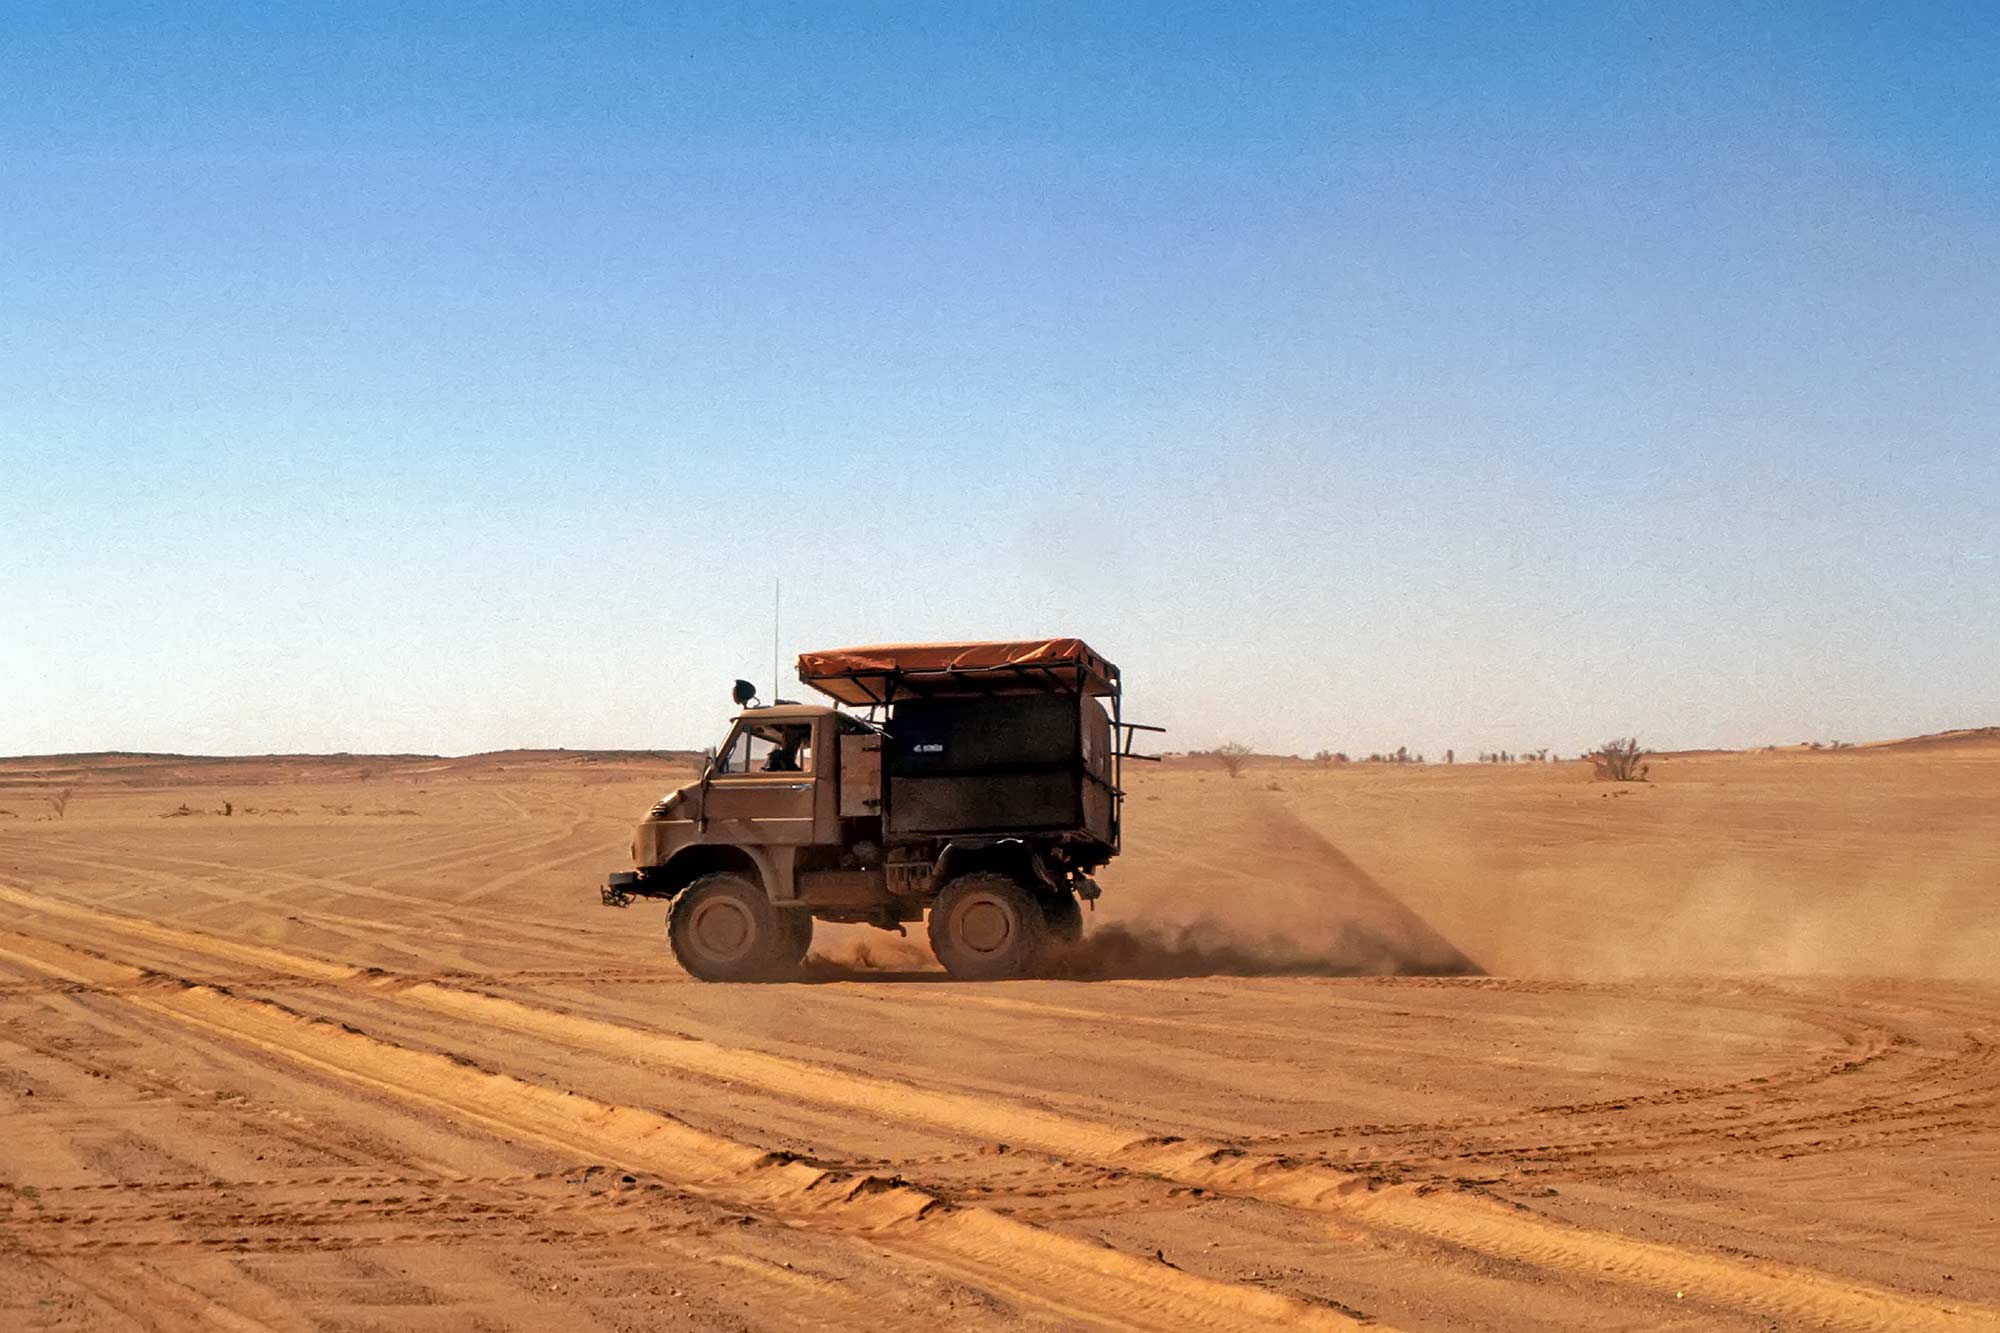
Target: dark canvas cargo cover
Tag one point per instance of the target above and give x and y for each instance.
(966, 764)
(882, 672)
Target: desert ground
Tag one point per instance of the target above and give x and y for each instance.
(1429, 1047)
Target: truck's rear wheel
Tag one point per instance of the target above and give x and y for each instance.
(984, 926)
(798, 927)
(723, 928)
(1065, 917)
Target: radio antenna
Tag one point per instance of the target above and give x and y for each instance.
(775, 591)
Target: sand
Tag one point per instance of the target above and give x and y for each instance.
(1433, 1047)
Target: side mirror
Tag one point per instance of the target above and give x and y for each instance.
(744, 693)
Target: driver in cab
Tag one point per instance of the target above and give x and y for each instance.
(784, 756)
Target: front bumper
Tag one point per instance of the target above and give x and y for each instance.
(617, 890)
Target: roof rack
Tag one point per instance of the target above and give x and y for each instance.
(884, 673)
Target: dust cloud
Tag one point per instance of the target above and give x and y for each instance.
(846, 952)
(1137, 950)
(1300, 908)
(1134, 951)
(1606, 911)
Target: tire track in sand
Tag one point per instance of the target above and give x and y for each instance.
(267, 1217)
(1471, 1221)
(269, 884)
(1917, 1095)
(1070, 1278)
(1880, 1085)
(674, 1225)
(436, 921)
(1460, 1219)
(1925, 1103)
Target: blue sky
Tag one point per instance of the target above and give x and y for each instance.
(383, 377)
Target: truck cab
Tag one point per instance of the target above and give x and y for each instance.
(773, 788)
(980, 792)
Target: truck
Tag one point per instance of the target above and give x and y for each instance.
(975, 786)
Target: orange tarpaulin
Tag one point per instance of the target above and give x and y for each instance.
(864, 675)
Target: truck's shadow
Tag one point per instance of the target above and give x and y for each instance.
(822, 971)
(1320, 915)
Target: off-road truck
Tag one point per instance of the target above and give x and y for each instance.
(981, 787)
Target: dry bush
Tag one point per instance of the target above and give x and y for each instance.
(1232, 756)
(1619, 760)
(59, 803)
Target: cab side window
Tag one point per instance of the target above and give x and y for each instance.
(760, 747)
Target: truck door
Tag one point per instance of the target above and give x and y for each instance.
(762, 787)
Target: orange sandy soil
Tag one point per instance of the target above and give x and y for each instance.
(367, 1053)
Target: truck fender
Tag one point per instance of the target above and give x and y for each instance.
(772, 867)
(1009, 855)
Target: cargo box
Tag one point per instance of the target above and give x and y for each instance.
(1000, 739)
(1009, 764)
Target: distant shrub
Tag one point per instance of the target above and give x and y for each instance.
(1232, 755)
(59, 803)
(1619, 760)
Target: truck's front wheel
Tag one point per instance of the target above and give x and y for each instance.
(723, 928)
(984, 927)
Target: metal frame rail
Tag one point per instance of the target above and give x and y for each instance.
(986, 681)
